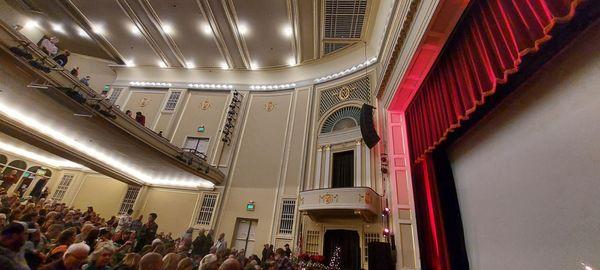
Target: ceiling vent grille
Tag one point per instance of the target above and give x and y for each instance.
(333, 47)
(344, 19)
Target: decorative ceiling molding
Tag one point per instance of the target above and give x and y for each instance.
(231, 15)
(82, 21)
(409, 19)
(292, 10)
(153, 16)
(317, 7)
(205, 9)
(144, 30)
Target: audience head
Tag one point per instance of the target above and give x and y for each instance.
(151, 261)
(279, 253)
(185, 264)
(170, 261)
(130, 211)
(230, 264)
(131, 260)
(101, 256)
(75, 256)
(66, 237)
(209, 262)
(152, 216)
(221, 236)
(13, 236)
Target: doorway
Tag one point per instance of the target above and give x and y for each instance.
(245, 235)
(349, 243)
(343, 169)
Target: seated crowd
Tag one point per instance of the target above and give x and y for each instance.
(46, 235)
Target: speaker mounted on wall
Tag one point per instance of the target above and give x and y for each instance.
(367, 127)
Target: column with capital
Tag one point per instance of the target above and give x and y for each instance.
(358, 164)
(327, 175)
(368, 182)
(319, 157)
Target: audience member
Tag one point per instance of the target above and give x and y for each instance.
(73, 258)
(140, 118)
(48, 45)
(125, 220)
(129, 113)
(62, 58)
(131, 261)
(221, 244)
(230, 264)
(75, 71)
(86, 80)
(151, 261)
(12, 238)
(100, 258)
(147, 232)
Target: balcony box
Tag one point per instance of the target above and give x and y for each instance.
(340, 203)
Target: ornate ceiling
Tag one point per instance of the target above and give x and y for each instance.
(228, 34)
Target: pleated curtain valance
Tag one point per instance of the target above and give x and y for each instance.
(487, 46)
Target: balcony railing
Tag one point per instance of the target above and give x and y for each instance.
(348, 202)
(92, 103)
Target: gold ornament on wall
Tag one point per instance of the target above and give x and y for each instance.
(144, 102)
(270, 106)
(328, 198)
(367, 197)
(205, 105)
(345, 92)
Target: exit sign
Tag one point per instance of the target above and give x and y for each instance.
(201, 129)
(250, 206)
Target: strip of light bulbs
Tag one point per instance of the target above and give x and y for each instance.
(96, 154)
(44, 160)
(272, 86)
(150, 84)
(210, 86)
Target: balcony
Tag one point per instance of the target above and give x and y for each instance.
(351, 202)
(52, 96)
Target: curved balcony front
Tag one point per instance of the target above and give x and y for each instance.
(337, 203)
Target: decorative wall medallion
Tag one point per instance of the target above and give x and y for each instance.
(205, 105)
(144, 102)
(344, 92)
(270, 106)
(329, 198)
(367, 197)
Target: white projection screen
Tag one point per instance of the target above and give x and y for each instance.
(528, 175)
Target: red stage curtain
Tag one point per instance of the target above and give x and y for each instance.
(432, 239)
(487, 46)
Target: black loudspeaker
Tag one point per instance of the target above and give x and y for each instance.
(367, 128)
(380, 256)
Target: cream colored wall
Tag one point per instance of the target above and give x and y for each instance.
(153, 103)
(105, 194)
(260, 166)
(175, 208)
(194, 115)
(98, 69)
(527, 175)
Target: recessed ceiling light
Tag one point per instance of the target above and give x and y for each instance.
(242, 29)
(129, 62)
(291, 61)
(253, 66)
(224, 65)
(287, 31)
(98, 29)
(57, 27)
(190, 64)
(30, 24)
(135, 30)
(82, 33)
(206, 29)
(167, 28)
(161, 64)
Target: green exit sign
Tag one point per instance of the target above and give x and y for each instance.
(201, 129)
(106, 87)
(250, 206)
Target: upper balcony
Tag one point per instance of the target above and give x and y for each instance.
(50, 108)
(350, 202)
